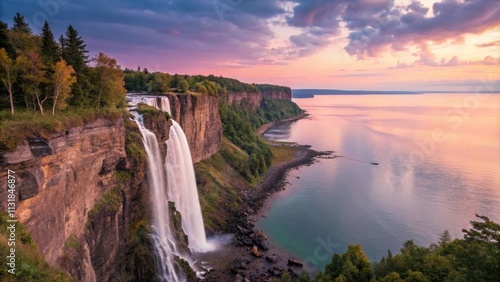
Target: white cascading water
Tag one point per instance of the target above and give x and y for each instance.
(182, 188)
(163, 242)
(164, 104)
(181, 179)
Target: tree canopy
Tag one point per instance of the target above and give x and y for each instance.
(476, 257)
(20, 24)
(144, 81)
(109, 81)
(50, 49)
(37, 72)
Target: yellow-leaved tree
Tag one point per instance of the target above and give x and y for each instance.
(109, 81)
(63, 78)
(31, 68)
(8, 74)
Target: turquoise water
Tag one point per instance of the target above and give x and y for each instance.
(438, 156)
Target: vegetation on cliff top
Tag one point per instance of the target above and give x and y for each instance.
(273, 88)
(38, 73)
(15, 129)
(157, 82)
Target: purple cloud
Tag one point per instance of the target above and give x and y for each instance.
(179, 35)
(450, 19)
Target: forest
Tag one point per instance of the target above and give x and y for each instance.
(144, 81)
(50, 85)
(40, 73)
(240, 127)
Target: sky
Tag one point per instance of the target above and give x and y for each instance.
(444, 45)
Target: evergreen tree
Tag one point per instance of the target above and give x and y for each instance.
(21, 37)
(62, 45)
(50, 50)
(354, 265)
(20, 24)
(74, 50)
(4, 40)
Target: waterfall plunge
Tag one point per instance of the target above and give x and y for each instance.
(182, 188)
(163, 242)
(181, 179)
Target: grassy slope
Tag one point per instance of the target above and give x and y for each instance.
(283, 152)
(15, 129)
(219, 185)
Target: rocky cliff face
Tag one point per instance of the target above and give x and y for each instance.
(285, 94)
(200, 119)
(250, 99)
(78, 194)
(62, 178)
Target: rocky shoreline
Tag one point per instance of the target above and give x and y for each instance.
(250, 257)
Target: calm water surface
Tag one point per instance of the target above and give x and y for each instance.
(439, 164)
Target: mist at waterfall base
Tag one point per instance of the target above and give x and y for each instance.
(437, 167)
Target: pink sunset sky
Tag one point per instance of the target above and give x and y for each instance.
(335, 44)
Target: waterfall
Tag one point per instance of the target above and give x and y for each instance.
(182, 188)
(181, 179)
(163, 242)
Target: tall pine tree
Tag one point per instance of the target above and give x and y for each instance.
(50, 49)
(4, 40)
(20, 24)
(74, 52)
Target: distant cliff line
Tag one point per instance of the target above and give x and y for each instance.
(146, 82)
(309, 93)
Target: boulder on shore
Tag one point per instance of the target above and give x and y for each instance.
(255, 252)
(294, 262)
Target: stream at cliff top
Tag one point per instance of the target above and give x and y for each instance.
(437, 168)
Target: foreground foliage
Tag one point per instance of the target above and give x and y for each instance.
(475, 257)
